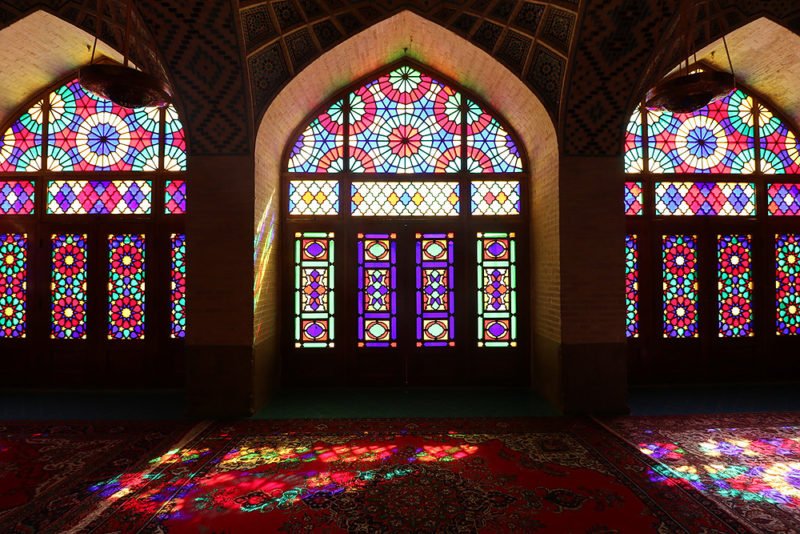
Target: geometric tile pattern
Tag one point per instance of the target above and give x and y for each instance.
(687, 198)
(783, 199)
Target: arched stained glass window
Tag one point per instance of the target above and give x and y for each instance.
(96, 185)
(723, 237)
(423, 250)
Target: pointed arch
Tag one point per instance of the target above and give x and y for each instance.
(409, 35)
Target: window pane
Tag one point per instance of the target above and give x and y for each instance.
(495, 198)
(787, 283)
(13, 284)
(178, 287)
(90, 197)
(497, 290)
(21, 145)
(68, 287)
(377, 290)
(126, 286)
(735, 286)
(404, 198)
(320, 148)
(688, 198)
(90, 134)
(633, 198)
(632, 285)
(679, 257)
(16, 198)
(715, 139)
(490, 147)
(779, 154)
(434, 302)
(634, 153)
(405, 122)
(175, 197)
(314, 289)
(313, 197)
(174, 142)
(783, 199)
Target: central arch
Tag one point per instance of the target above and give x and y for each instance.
(409, 35)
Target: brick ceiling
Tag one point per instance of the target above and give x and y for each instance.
(588, 61)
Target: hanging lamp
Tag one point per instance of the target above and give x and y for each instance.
(691, 89)
(123, 85)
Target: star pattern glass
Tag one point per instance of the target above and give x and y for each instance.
(631, 286)
(68, 283)
(679, 265)
(787, 283)
(734, 286)
(126, 286)
(13, 285)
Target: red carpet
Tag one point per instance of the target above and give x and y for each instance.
(469, 475)
(749, 464)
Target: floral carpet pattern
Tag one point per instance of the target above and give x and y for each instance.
(749, 464)
(360, 475)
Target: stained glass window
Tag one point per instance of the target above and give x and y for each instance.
(13, 284)
(126, 286)
(16, 198)
(497, 290)
(779, 151)
(21, 145)
(495, 197)
(435, 297)
(631, 286)
(787, 283)
(404, 198)
(679, 258)
(735, 286)
(633, 198)
(89, 197)
(688, 198)
(783, 199)
(175, 197)
(634, 153)
(91, 134)
(313, 197)
(320, 148)
(314, 289)
(377, 290)
(718, 138)
(490, 148)
(68, 286)
(405, 122)
(178, 286)
(174, 141)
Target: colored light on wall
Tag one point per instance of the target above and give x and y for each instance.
(633, 198)
(497, 289)
(690, 198)
(377, 290)
(679, 259)
(495, 197)
(17, 198)
(435, 296)
(178, 286)
(13, 285)
(314, 283)
(631, 285)
(787, 283)
(313, 197)
(175, 197)
(404, 198)
(83, 197)
(734, 286)
(68, 286)
(126, 286)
